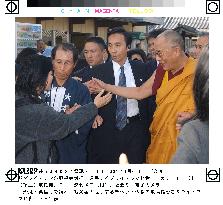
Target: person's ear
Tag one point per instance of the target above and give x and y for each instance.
(177, 51)
(105, 55)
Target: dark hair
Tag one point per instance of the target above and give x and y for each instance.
(201, 86)
(33, 75)
(59, 40)
(39, 40)
(24, 54)
(154, 33)
(120, 30)
(98, 40)
(49, 43)
(203, 34)
(65, 47)
(137, 51)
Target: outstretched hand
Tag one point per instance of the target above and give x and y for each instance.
(93, 87)
(101, 101)
(99, 83)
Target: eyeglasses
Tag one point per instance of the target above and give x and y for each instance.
(160, 53)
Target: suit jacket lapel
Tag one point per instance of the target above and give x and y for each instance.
(109, 73)
(135, 74)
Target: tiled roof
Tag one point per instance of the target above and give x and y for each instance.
(199, 23)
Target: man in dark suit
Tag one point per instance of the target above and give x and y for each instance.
(125, 125)
(95, 54)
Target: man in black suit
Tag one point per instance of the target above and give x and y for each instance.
(95, 54)
(125, 125)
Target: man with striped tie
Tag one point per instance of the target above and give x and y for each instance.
(125, 125)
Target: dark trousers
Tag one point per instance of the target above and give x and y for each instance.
(131, 140)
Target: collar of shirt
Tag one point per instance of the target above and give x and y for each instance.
(132, 104)
(117, 70)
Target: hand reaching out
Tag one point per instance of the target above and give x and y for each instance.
(93, 87)
(100, 100)
(99, 83)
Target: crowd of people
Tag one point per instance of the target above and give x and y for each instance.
(153, 108)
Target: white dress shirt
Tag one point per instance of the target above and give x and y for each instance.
(132, 104)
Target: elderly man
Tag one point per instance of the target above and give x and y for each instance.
(65, 93)
(202, 41)
(172, 84)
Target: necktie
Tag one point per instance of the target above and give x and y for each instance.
(121, 111)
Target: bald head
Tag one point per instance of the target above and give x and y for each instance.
(169, 47)
(173, 38)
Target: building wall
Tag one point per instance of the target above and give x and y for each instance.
(102, 32)
(88, 27)
(59, 24)
(139, 29)
(128, 27)
(25, 19)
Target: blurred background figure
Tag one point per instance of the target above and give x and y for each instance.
(48, 49)
(59, 40)
(202, 41)
(137, 54)
(193, 140)
(191, 52)
(40, 46)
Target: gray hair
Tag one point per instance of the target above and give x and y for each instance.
(173, 38)
(203, 34)
(201, 85)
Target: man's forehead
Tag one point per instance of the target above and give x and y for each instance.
(91, 45)
(151, 40)
(64, 53)
(202, 40)
(160, 43)
(116, 37)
